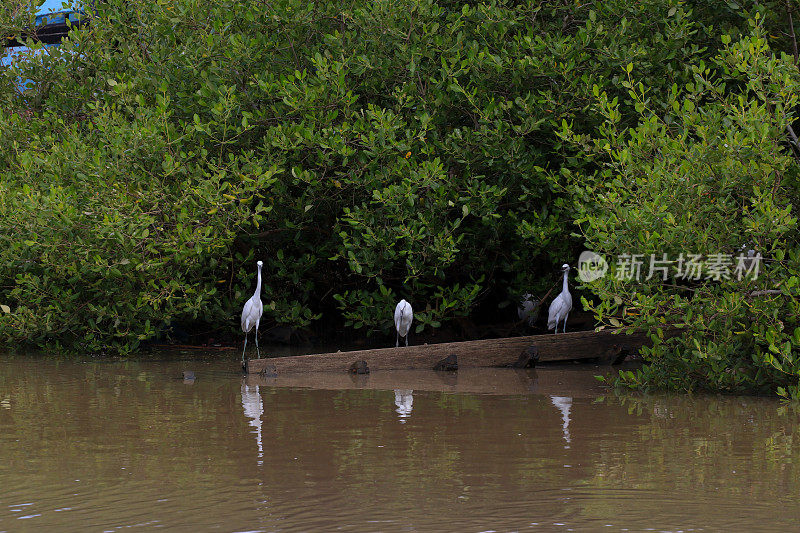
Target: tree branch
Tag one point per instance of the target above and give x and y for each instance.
(794, 38)
(793, 142)
(764, 292)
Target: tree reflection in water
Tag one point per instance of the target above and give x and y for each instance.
(127, 443)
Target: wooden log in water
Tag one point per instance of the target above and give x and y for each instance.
(578, 345)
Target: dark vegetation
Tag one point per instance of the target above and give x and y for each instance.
(450, 153)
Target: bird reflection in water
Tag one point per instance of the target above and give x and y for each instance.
(253, 409)
(404, 400)
(564, 403)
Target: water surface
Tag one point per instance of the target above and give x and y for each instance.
(120, 446)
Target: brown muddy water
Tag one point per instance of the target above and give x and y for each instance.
(127, 446)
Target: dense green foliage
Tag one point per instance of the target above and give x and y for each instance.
(373, 150)
(711, 175)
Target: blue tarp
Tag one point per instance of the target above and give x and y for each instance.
(50, 12)
(10, 54)
(56, 18)
(51, 5)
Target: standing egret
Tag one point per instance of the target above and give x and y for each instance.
(251, 314)
(561, 306)
(403, 315)
(528, 309)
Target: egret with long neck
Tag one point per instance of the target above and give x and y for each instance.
(251, 314)
(561, 306)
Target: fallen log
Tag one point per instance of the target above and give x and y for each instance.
(578, 345)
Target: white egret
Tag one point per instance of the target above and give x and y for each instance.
(561, 305)
(251, 314)
(403, 315)
(528, 309)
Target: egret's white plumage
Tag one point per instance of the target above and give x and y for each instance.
(528, 309)
(251, 314)
(403, 315)
(561, 305)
